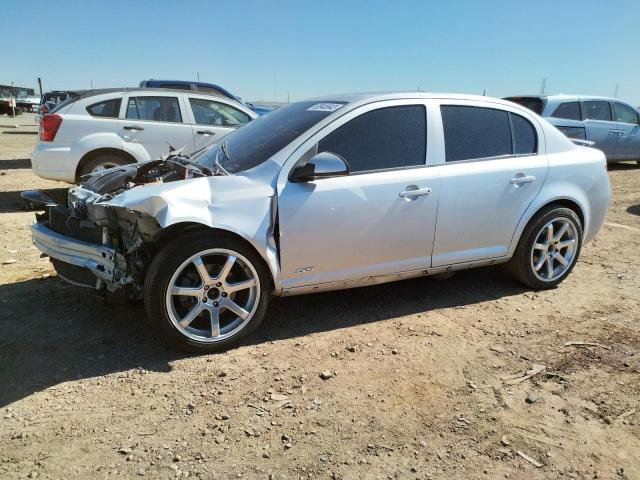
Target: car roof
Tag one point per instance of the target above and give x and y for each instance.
(102, 91)
(368, 97)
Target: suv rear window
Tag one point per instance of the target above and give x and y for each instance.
(535, 104)
(106, 109)
(160, 109)
(598, 110)
(568, 110)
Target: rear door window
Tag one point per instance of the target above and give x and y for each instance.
(477, 132)
(208, 112)
(626, 114)
(392, 137)
(159, 109)
(597, 110)
(568, 110)
(106, 109)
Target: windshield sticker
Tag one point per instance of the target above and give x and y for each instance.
(324, 107)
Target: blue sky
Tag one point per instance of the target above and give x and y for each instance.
(268, 50)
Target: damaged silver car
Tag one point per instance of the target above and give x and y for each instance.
(327, 194)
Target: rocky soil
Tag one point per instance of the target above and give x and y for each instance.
(420, 379)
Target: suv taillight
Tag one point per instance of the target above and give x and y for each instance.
(49, 125)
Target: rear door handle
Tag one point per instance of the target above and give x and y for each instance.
(521, 180)
(205, 132)
(133, 127)
(420, 192)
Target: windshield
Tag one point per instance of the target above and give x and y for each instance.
(260, 139)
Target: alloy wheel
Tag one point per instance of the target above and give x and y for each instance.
(554, 249)
(213, 295)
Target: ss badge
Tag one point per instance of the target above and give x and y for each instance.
(305, 269)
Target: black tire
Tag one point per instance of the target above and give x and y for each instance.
(168, 260)
(521, 264)
(106, 160)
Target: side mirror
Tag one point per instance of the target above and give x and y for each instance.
(322, 165)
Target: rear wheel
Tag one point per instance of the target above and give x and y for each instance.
(548, 249)
(100, 163)
(206, 293)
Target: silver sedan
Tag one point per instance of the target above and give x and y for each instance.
(333, 193)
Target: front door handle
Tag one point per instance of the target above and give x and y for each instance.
(133, 127)
(420, 192)
(521, 180)
(205, 132)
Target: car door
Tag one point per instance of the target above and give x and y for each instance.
(157, 123)
(628, 124)
(378, 220)
(493, 167)
(213, 120)
(600, 126)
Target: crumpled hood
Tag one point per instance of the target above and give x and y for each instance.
(204, 200)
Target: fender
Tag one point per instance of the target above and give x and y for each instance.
(206, 201)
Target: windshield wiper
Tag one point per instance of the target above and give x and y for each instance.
(216, 163)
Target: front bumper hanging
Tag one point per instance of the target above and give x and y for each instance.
(99, 259)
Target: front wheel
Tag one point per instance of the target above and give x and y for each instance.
(548, 249)
(205, 292)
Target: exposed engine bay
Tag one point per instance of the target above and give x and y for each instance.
(174, 167)
(125, 239)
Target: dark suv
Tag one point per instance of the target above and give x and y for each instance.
(202, 87)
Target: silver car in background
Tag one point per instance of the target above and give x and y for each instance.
(338, 192)
(612, 125)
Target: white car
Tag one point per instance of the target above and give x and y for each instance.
(107, 128)
(339, 192)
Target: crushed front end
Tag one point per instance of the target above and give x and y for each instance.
(97, 245)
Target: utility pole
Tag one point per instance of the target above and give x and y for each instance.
(615, 93)
(543, 86)
(91, 83)
(198, 75)
(40, 85)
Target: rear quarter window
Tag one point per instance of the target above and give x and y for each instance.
(105, 109)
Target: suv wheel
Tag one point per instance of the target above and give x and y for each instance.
(205, 293)
(548, 249)
(100, 163)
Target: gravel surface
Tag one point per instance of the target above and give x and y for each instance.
(415, 379)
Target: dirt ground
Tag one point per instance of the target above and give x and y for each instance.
(418, 391)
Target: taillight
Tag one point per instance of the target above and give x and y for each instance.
(49, 125)
(43, 109)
